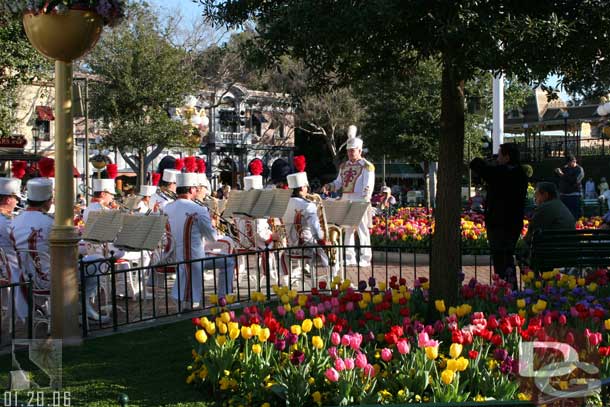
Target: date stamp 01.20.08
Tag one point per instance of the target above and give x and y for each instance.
(31, 398)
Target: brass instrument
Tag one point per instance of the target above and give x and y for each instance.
(278, 227)
(169, 194)
(332, 233)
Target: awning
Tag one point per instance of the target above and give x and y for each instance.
(45, 113)
(398, 170)
(10, 154)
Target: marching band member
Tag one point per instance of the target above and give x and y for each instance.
(146, 191)
(302, 221)
(46, 169)
(10, 195)
(103, 197)
(29, 231)
(167, 184)
(191, 227)
(357, 179)
(256, 234)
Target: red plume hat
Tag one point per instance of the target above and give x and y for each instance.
(112, 171)
(299, 163)
(18, 168)
(46, 167)
(190, 163)
(256, 166)
(179, 165)
(201, 167)
(156, 176)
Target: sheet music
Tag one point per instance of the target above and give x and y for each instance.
(248, 201)
(141, 232)
(355, 213)
(103, 226)
(233, 203)
(336, 211)
(262, 205)
(281, 198)
(131, 202)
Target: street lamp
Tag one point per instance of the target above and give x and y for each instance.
(565, 115)
(35, 136)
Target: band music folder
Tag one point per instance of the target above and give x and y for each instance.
(258, 203)
(103, 226)
(345, 213)
(134, 232)
(140, 232)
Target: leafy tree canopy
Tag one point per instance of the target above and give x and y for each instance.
(142, 76)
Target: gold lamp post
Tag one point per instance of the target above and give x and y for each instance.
(64, 37)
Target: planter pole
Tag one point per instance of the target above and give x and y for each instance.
(63, 239)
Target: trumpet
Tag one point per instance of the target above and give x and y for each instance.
(170, 194)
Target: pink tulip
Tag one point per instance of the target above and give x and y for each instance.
(386, 354)
(334, 302)
(345, 340)
(355, 341)
(361, 360)
(281, 310)
(332, 351)
(349, 363)
(563, 319)
(339, 364)
(349, 307)
(299, 315)
(335, 338)
(332, 375)
(369, 370)
(403, 346)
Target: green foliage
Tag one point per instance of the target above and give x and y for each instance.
(141, 76)
(19, 64)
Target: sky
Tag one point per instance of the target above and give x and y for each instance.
(188, 7)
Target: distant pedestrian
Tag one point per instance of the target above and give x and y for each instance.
(590, 192)
(506, 184)
(603, 185)
(570, 184)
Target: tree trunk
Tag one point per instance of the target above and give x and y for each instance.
(426, 168)
(445, 257)
(142, 168)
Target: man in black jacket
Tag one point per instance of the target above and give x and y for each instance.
(570, 184)
(506, 190)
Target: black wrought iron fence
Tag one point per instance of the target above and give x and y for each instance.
(19, 325)
(116, 294)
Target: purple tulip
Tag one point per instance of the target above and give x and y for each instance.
(280, 344)
(297, 357)
(291, 339)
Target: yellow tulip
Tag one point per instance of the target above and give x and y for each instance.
(246, 332)
(233, 325)
(302, 300)
(318, 323)
(233, 333)
(432, 352)
(455, 350)
(226, 317)
(211, 328)
(214, 299)
(264, 334)
(295, 329)
(221, 340)
(256, 328)
(462, 364)
(222, 327)
(440, 305)
(447, 376)
(521, 303)
(256, 348)
(285, 299)
(452, 364)
(317, 397)
(317, 342)
(607, 324)
(201, 336)
(306, 325)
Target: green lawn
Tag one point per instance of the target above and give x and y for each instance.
(148, 365)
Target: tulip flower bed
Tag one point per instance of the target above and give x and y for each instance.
(341, 345)
(411, 227)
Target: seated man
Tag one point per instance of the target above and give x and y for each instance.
(550, 212)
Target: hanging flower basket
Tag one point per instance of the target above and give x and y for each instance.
(66, 36)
